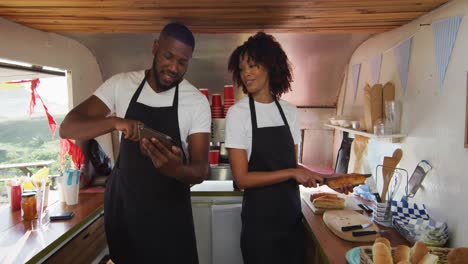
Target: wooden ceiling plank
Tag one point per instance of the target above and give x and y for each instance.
(211, 3)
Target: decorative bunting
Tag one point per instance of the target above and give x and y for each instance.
(355, 71)
(50, 119)
(445, 33)
(376, 63)
(402, 56)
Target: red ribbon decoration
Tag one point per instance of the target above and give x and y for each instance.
(68, 147)
(32, 104)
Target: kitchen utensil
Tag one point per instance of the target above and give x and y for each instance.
(388, 169)
(336, 219)
(417, 177)
(355, 227)
(376, 102)
(367, 109)
(365, 208)
(367, 233)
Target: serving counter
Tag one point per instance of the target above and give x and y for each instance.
(82, 238)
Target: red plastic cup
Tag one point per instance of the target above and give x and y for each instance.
(205, 92)
(214, 157)
(228, 92)
(216, 100)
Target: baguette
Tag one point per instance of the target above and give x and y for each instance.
(401, 254)
(345, 179)
(381, 254)
(328, 202)
(429, 259)
(458, 256)
(321, 194)
(418, 251)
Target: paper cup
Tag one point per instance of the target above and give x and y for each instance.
(71, 186)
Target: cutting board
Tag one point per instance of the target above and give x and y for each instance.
(350, 203)
(336, 219)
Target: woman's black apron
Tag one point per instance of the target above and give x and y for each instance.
(148, 216)
(272, 229)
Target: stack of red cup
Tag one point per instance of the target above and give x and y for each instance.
(205, 92)
(229, 99)
(216, 107)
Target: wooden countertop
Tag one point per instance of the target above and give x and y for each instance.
(333, 247)
(22, 242)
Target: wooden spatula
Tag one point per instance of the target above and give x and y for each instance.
(388, 94)
(389, 165)
(376, 103)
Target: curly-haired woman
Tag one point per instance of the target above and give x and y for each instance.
(262, 135)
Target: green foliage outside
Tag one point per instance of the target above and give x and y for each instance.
(28, 140)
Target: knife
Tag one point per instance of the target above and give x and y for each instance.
(354, 227)
(367, 232)
(338, 180)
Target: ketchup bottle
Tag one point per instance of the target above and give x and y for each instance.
(15, 197)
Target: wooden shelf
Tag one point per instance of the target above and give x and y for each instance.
(392, 137)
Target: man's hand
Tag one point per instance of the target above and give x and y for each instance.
(128, 127)
(167, 161)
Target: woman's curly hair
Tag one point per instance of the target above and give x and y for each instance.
(263, 49)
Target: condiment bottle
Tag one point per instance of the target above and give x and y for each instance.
(28, 206)
(15, 197)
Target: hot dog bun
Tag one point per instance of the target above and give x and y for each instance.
(418, 251)
(381, 254)
(401, 254)
(458, 256)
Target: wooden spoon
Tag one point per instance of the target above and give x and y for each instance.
(389, 165)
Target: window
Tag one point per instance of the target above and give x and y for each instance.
(26, 138)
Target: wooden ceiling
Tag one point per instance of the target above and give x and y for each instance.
(215, 16)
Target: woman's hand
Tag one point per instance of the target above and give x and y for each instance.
(348, 188)
(128, 127)
(307, 177)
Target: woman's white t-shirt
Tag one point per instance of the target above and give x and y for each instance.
(239, 125)
(193, 110)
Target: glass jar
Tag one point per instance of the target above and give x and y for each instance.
(28, 206)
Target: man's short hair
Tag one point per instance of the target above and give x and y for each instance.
(180, 32)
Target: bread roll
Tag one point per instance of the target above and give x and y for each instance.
(381, 254)
(327, 202)
(345, 179)
(418, 251)
(458, 256)
(385, 241)
(320, 194)
(429, 259)
(401, 254)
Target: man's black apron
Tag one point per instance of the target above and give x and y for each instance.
(148, 216)
(272, 229)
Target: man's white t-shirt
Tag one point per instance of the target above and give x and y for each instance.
(239, 125)
(193, 110)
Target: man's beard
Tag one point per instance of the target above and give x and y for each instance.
(161, 86)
